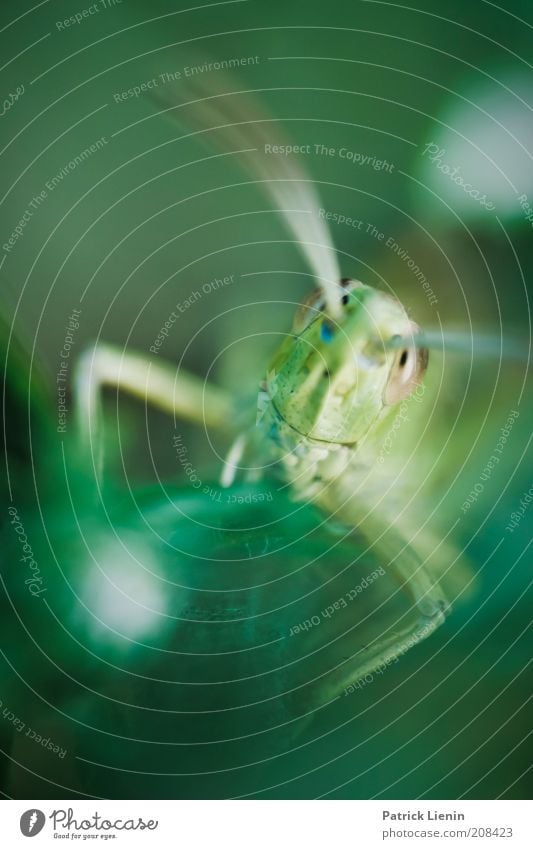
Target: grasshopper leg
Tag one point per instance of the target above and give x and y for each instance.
(427, 604)
(160, 384)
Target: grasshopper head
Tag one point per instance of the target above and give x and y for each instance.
(331, 379)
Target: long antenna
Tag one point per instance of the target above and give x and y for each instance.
(455, 341)
(235, 118)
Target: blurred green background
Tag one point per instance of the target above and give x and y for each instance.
(147, 219)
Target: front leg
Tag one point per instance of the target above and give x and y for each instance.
(160, 384)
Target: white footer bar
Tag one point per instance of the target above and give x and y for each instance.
(267, 824)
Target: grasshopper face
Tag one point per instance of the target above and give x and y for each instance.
(332, 379)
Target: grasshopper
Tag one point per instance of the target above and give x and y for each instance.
(341, 406)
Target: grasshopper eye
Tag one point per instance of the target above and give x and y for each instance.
(406, 374)
(314, 304)
(348, 286)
